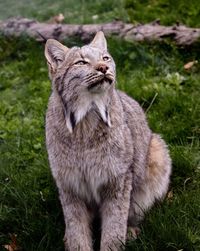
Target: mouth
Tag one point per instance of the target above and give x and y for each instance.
(100, 82)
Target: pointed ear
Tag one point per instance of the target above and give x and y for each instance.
(55, 54)
(99, 41)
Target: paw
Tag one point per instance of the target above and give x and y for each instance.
(133, 233)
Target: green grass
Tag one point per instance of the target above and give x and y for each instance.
(29, 203)
(151, 73)
(78, 11)
(168, 11)
(96, 11)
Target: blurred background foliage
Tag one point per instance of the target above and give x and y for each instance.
(152, 73)
(93, 11)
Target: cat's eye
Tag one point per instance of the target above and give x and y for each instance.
(106, 58)
(81, 62)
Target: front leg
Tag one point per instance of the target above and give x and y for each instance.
(114, 213)
(77, 220)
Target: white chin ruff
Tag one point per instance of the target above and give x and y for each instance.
(85, 102)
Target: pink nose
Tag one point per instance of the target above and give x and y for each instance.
(102, 67)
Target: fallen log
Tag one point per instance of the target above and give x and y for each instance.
(181, 34)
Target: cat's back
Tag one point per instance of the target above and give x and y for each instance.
(133, 112)
(141, 134)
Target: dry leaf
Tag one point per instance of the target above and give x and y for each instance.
(95, 17)
(9, 247)
(190, 64)
(13, 244)
(170, 195)
(133, 232)
(58, 19)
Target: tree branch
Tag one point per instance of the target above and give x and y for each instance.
(181, 34)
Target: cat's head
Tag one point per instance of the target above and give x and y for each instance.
(84, 78)
(89, 68)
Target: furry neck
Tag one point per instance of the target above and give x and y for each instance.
(77, 109)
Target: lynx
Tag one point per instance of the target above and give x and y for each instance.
(103, 156)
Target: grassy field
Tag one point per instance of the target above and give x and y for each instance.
(151, 73)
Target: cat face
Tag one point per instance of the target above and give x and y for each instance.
(83, 77)
(86, 69)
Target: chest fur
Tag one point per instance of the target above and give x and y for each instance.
(92, 156)
(86, 167)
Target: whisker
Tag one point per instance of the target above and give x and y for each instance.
(93, 79)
